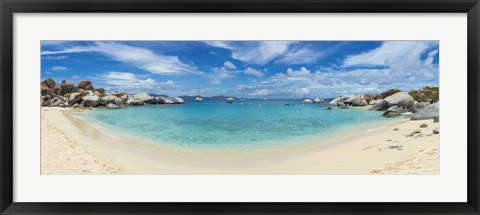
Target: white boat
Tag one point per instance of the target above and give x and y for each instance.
(198, 98)
(317, 100)
(229, 100)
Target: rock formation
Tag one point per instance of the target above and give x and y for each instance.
(84, 95)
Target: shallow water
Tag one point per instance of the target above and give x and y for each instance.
(243, 124)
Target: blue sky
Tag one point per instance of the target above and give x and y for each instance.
(274, 69)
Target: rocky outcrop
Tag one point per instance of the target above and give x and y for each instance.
(111, 99)
(50, 83)
(85, 85)
(45, 90)
(75, 97)
(426, 94)
(112, 106)
(430, 111)
(357, 101)
(381, 105)
(134, 101)
(391, 114)
(400, 99)
(91, 99)
(85, 95)
(388, 93)
(100, 90)
(67, 87)
(145, 98)
(48, 86)
(178, 100)
(393, 102)
(374, 102)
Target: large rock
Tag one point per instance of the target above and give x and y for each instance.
(431, 111)
(112, 106)
(111, 99)
(91, 100)
(165, 100)
(134, 101)
(401, 99)
(56, 101)
(67, 87)
(394, 108)
(74, 98)
(56, 90)
(347, 98)
(50, 83)
(374, 102)
(100, 90)
(332, 103)
(382, 105)
(372, 97)
(388, 93)
(418, 106)
(178, 100)
(85, 84)
(46, 100)
(45, 90)
(144, 97)
(358, 102)
(123, 96)
(391, 114)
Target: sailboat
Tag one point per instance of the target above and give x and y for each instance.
(198, 98)
(229, 100)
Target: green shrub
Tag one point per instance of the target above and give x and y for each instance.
(414, 95)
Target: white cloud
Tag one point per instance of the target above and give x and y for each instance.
(431, 56)
(216, 81)
(303, 72)
(140, 57)
(254, 52)
(300, 56)
(129, 82)
(253, 72)
(391, 53)
(229, 65)
(59, 68)
(49, 57)
(221, 72)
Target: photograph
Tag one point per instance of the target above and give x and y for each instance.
(241, 107)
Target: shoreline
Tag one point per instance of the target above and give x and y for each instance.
(102, 152)
(305, 141)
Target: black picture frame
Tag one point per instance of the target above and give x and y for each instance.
(9, 7)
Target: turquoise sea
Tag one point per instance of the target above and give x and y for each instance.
(251, 123)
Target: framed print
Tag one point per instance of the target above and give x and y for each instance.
(239, 107)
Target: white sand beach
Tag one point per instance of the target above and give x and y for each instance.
(72, 146)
